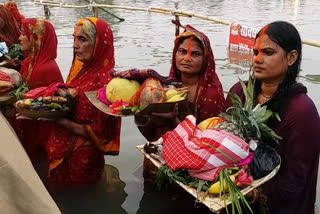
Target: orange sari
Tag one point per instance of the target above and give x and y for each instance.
(73, 159)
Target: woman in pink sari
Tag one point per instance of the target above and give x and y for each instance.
(77, 147)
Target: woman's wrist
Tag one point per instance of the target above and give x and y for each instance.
(255, 196)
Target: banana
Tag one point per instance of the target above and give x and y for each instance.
(170, 93)
(178, 97)
(215, 188)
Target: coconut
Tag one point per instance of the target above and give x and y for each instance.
(14, 75)
(152, 92)
(121, 89)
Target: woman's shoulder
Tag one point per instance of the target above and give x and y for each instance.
(237, 88)
(302, 103)
(49, 67)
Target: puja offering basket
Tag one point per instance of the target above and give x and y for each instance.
(214, 203)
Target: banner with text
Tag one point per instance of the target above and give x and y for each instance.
(241, 42)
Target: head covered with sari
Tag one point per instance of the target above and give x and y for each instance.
(11, 7)
(9, 30)
(85, 163)
(43, 47)
(103, 53)
(209, 100)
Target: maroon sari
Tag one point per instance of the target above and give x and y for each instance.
(209, 100)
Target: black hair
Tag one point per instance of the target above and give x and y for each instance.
(287, 37)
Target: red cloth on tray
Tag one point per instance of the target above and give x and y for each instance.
(203, 153)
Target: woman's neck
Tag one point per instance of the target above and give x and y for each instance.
(189, 80)
(269, 89)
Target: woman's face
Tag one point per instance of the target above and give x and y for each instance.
(25, 43)
(83, 48)
(270, 62)
(189, 57)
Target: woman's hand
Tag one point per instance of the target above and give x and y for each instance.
(76, 128)
(173, 116)
(253, 196)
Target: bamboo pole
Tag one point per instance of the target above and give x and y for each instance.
(176, 5)
(95, 10)
(157, 10)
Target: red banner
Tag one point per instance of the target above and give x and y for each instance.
(241, 42)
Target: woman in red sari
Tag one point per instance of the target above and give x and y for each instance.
(39, 43)
(192, 64)
(12, 8)
(76, 148)
(9, 30)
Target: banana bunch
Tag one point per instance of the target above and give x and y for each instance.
(173, 95)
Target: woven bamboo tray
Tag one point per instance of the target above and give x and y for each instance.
(215, 204)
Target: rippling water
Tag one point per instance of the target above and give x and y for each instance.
(145, 40)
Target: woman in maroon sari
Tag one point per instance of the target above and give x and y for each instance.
(39, 44)
(9, 30)
(192, 64)
(76, 148)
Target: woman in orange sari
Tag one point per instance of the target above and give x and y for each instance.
(9, 30)
(76, 148)
(39, 43)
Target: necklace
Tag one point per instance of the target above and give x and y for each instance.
(265, 98)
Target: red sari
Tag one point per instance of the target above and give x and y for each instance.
(9, 32)
(73, 159)
(209, 100)
(39, 69)
(12, 8)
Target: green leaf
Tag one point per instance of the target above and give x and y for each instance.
(236, 101)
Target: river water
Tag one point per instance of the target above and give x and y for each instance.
(145, 40)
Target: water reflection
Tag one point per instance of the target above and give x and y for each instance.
(102, 197)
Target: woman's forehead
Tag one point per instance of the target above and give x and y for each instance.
(80, 32)
(265, 42)
(194, 44)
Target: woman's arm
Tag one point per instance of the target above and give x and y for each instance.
(152, 127)
(104, 132)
